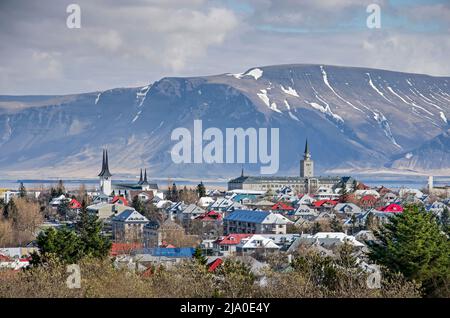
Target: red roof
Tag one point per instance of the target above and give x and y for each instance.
(74, 204)
(210, 216)
(120, 199)
(232, 239)
(4, 258)
(212, 267)
(368, 198)
(322, 202)
(392, 208)
(282, 206)
(123, 248)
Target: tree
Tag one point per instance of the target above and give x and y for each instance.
(412, 243)
(62, 243)
(6, 232)
(199, 257)
(343, 194)
(60, 188)
(174, 195)
(10, 210)
(201, 190)
(63, 208)
(93, 243)
(336, 226)
(316, 228)
(445, 220)
(22, 191)
(137, 204)
(27, 220)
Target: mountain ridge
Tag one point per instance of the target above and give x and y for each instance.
(356, 118)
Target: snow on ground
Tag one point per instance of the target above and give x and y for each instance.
(289, 91)
(325, 80)
(256, 73)
(326, 110)
(137, 116)
(376, 89)
(274, 107)
(289, 111)
(443, 117)
(409, 155)
(409, 103)
(98, 98)
(141, 95)
(384, 124)
(263, 96)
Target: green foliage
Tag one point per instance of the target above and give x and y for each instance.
(22, 191)
(62, 243)
(70, 246)
(413, 244)
(138, 205)
(199, 257)
(201, 190)
(10, 211)
(93, 243)
(234, 278)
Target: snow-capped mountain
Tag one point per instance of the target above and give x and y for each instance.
(354, 119)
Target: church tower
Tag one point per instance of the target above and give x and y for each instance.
(306, 165)
(105, 175)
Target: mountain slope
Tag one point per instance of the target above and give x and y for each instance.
(355, 118)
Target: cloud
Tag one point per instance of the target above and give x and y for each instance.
(122, 43)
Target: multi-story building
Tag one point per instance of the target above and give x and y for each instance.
(254, 222)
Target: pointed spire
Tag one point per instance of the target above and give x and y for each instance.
(105, 169)
(145, 182)
(307, 155)
(140, 178)
(242, 171)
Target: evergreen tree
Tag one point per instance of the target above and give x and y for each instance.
(22, 191)
(343, 194)
(412, 243)
(137, 204)
(201, 191)
(10, 211)
(335, 225)
(63, 209)
(62, 243)
(199, 257)
(174, 193)
(445, 220)
(93, 242)
(60, 188)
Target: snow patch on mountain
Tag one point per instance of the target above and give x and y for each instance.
(256, 73)
(289, 111)
(444, 118)
(142, 94)
(376, 89)
(263, 96)
(98, 98)
(384, 124)
(289, 91)
(325, 80)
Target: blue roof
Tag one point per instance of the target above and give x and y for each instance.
(247, 216)
(184, 252)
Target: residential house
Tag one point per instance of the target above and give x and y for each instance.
(255, 222)
(189, 213)
(106, 210)
(256, 243)
(226, 245)
(128, 226)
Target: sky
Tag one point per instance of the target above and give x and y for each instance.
(136, 42)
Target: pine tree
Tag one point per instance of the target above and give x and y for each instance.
(201, 191)
(174, 193)
(22, 191)
(343, 194)
(199, 257)
(412, 243)
(316, 228)
(93, 242)
(60, 188)
(137, 204)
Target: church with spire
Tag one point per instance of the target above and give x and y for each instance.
(107, 187)
(305, 182)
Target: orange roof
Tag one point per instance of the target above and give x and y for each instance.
(322, 202)
(123, 248)
(216, 263)
(282, 206)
